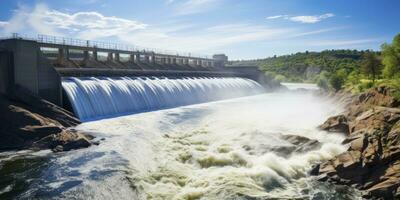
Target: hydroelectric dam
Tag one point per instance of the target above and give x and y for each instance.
(97, 80)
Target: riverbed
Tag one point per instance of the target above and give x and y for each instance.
(231, 149)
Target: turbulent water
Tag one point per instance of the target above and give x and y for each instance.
(231, 149)
(93, 98)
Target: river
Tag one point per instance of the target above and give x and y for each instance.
(230, 149)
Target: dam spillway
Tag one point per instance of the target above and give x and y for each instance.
(95, 98)
(44, 65)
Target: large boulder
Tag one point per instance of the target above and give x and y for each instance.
(336, 124)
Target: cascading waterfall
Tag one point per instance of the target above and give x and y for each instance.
(93, 97)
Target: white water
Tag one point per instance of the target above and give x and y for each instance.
(230, 149)
(95, 98)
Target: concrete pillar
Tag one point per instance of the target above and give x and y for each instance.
(146, 58)
(95, 55)
(185, 61)
(174, 61)
(180, 61)
(163, 60)
(66, 53)
(117, 57)
(168, 60)
(153, 58)
(132, 57)
(61, 55)
(110, 56)
(85, 55)
(137, 58)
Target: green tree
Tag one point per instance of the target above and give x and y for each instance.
(391, 57)
(322, 80)
(337, 80)
(371, 66)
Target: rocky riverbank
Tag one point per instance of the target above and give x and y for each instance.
(28, 122)
(372, 161)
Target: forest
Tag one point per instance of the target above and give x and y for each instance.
(336, 69)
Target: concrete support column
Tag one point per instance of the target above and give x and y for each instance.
(117, 57)
(146, 58)
(168, 60)
(95, 55)
(181, 61)
(61, 55)
(85, 55)
(110, 56)
(174, 61)
(185, 61)
(132, 57)
(153, 59)
(66, 53)
(137, 58)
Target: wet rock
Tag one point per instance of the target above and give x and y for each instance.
(336, 124)
(300, 144)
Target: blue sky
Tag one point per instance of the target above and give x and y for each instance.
(242, 29)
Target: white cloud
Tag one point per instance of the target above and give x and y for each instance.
(277, 16)
(88, 25)
(168, 35)
(311, 19)
(307, 19)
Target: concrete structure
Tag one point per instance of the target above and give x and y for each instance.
(39, 64)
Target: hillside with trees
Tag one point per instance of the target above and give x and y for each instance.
(336, 69)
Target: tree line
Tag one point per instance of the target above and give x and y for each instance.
(336, 69)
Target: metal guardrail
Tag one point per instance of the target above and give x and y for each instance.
(97, 44)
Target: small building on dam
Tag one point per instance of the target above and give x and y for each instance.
(40, 64)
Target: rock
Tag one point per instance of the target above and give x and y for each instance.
(372, 162)
(28, 122)
(58, 148)
(300, 144)
(315, 170)
(336, 124)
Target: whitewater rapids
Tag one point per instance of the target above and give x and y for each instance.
(231, 149)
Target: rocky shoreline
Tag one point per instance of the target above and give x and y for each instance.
(372, 162)
(28, 122)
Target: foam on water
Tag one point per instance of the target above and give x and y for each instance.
(230, 149)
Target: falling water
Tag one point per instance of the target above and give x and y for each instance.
(94, 98)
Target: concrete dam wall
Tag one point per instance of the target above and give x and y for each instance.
(40, 64)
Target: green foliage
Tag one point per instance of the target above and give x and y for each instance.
(371, 66)
(337, 79)
(280, 78)
(365, 85)
(334, 69)
(306, 67)
(353, 78)
(390, 60)
(322, 80)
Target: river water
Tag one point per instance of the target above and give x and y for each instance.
(231, 149)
